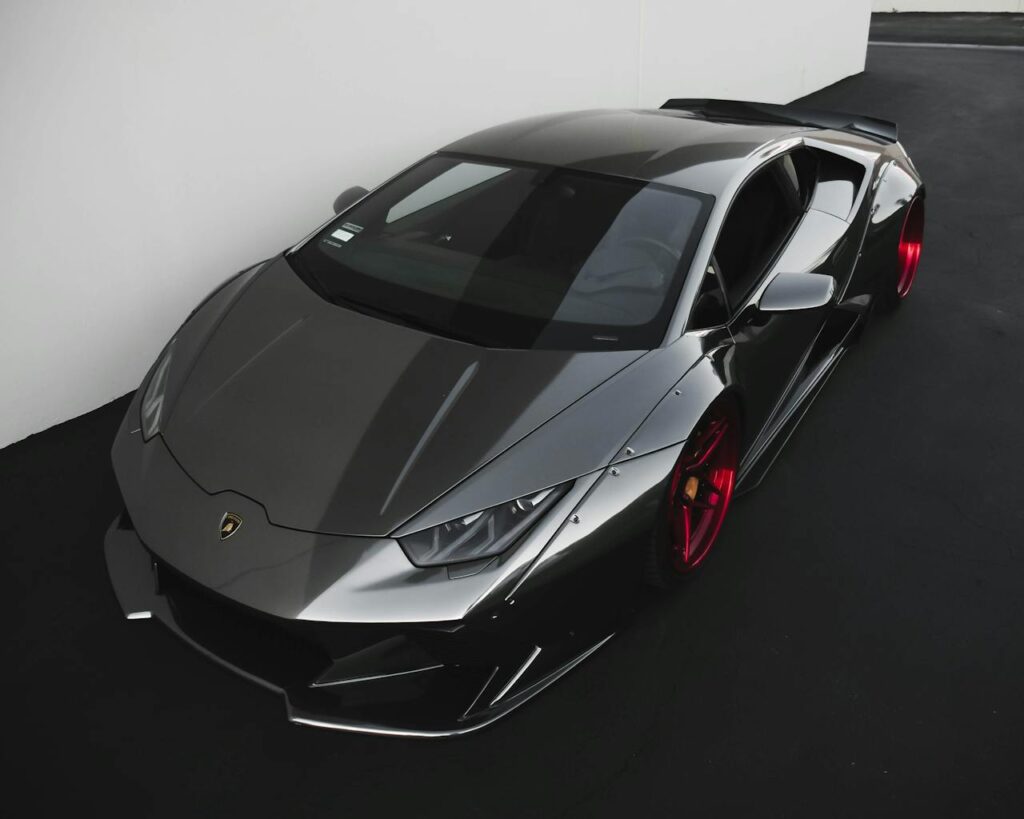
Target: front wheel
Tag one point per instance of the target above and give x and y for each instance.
(699, 491)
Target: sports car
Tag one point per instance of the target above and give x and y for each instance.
(403, 472)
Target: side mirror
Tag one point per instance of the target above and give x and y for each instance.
(349, 197)
(797, 291)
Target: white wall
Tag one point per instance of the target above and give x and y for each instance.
(947, 5)
(149, 148)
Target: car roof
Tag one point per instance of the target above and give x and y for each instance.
(677, 148)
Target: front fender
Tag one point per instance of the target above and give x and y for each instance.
(599, 550)
(677, 413)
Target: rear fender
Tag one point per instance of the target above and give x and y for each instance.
(898, 185)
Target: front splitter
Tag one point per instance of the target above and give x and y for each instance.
(430, 699)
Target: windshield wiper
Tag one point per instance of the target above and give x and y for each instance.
(397, 316)
(406, 319)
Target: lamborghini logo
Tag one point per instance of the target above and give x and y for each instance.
(229, 524)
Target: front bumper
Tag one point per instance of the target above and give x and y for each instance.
(416, 679)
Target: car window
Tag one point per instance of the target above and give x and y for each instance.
(513, 255)
(760, 220)
(455, 180)
(800, 168)
(836, 184)
(710, 309)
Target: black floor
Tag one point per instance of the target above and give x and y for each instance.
(854, 648)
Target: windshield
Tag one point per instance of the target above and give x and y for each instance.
(510, 255)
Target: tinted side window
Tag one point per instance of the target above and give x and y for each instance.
(710, 308)
(760, 220)
(799, 169)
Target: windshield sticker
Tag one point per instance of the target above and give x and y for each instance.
(343, 235)
(352, 228)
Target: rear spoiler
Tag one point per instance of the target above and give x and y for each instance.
(737, 110)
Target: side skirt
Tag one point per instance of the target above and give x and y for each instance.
(766, 448)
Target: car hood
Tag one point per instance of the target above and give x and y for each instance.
(343, 423)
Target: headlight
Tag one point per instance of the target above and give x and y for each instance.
(482, 534)
(151, 410)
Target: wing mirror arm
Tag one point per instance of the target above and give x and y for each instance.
(797, 291)
(349, 197)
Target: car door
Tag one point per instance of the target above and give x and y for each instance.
(765, 216)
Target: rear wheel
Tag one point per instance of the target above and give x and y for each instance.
(894, 289)
(699, 493)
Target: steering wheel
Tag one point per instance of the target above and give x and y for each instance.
(658, 247)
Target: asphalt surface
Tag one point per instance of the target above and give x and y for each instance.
(973, 28)
(855, 646)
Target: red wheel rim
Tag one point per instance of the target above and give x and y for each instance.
(910, 247)
(701, 488)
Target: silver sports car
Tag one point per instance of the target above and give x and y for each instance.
(404, 471)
